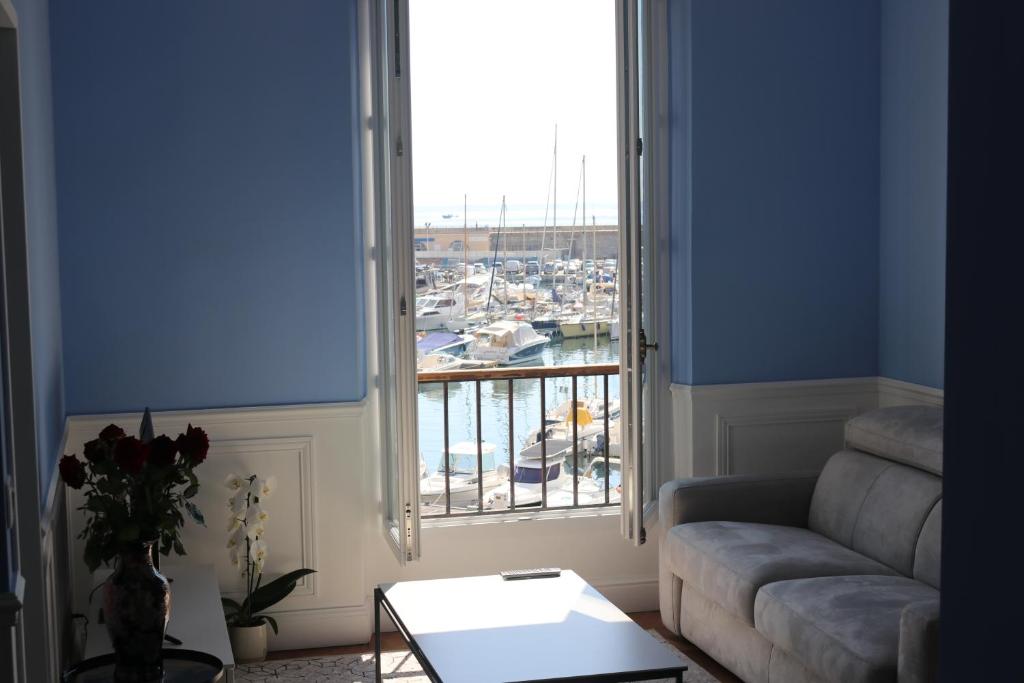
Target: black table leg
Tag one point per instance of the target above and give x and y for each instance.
(376, 633)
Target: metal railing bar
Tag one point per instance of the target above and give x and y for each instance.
(607, 445)
(521, 510)
(511, 451)
(447, 458)
(535, 372)
(575, 447)
(479, 453)
(543, 446)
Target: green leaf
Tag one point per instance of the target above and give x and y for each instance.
(128, 533)
(232, 605)
(195, 513)
(178, 547)
(270, 620)
(277, 590)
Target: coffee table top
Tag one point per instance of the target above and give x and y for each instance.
(482, 629)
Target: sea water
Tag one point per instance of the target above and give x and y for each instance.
(494, 397)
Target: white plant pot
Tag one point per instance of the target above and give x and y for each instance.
(248, 643)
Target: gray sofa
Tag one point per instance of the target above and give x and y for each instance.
(808, 577)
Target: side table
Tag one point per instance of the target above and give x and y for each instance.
(197, 618)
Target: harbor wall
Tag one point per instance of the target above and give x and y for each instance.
(443, 246)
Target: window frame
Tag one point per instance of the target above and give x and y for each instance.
(388, 194)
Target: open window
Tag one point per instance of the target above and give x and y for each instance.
(478, 302)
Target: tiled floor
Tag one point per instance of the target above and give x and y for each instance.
(648, 620)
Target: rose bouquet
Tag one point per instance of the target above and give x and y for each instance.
(136, 489)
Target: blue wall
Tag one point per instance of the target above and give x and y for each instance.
(210, 240)
(915, 37)
(41, 218)
(775, 224)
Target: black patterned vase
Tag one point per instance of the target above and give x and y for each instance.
(136, 606)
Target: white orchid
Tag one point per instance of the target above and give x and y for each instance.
(234, 482)
(256, 515)
(258, 553)
(238, 502)
(237, 538)
(247, 549)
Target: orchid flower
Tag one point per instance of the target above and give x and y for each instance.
(233, 481)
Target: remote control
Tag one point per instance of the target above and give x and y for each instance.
(543, 573)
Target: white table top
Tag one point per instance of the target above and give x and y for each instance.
(483, 629)
(197, 618)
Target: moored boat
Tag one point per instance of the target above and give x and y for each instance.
(464, 475)
(508, 343)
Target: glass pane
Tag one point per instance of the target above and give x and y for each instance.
(516, 242)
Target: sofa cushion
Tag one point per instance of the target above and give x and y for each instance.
(729, 561)
(908, 434)
(893, 514)
(844, 628)
(874, 506)
(929, 545)
(840, 492)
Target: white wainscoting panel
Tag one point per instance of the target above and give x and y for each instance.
(766, 427)
(316, 453)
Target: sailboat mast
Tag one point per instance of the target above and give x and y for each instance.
(465, 256)
(583, 266)
(554, 205)
(504, 215)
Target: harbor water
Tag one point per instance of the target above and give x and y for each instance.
(526, 408)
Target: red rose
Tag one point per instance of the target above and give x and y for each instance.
(130, 454)
(194, 445)
(162, 450)
(112, 433)
(72, 471)
(97, 450)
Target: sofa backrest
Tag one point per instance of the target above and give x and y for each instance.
(881, 493)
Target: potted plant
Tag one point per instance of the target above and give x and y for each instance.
(247, 623)
(136, 489)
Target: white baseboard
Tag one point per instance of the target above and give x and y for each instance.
(767, 427)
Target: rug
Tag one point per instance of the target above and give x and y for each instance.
(400, 666)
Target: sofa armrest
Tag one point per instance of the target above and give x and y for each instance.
(919, 642)
(774, 499)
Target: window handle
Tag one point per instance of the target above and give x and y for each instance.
(402, 308)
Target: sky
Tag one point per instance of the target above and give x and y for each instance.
(490, 79)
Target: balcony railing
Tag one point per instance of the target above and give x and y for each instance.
(477, 376)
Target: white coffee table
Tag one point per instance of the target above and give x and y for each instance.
(483, 629)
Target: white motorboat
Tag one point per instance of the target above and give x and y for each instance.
(438, 362)
(464, 477)
(559, 427)
(443, 342)
(527, 478)
(434, 310)
(508, 343)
